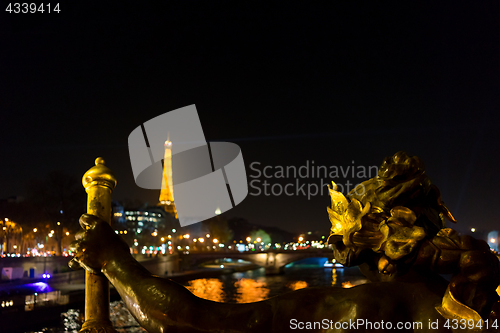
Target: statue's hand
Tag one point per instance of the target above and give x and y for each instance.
(96, 245)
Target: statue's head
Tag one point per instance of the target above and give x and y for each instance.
(383, 219)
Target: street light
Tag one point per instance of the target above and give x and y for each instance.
(215, 240)
(249, 239)
(259, 239)
(473, 229)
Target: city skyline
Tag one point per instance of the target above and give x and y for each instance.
(289, 85)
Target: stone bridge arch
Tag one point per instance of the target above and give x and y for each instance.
(273, 261)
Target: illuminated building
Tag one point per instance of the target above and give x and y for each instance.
(167, 192)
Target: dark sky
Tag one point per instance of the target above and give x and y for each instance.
(289, 82)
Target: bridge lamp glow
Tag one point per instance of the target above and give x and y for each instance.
(301, 239)
(249, 239)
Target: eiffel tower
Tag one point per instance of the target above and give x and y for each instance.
(167, 193)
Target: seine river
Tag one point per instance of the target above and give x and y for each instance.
(242, 287)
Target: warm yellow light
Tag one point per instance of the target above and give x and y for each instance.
(154, 234)
(67, 233)
(58, 223)
(208, 235)
(201, 240)
(35, 229)
(301, 239)
(6, 219)
(493, 240)
(51, 231)
(163, 239)
(347, 284)
(473, 229)
(125, 232)
(169, 236)
(186, 235)
(215, 240)
(195, 240)
(249, 239)
(259, 239)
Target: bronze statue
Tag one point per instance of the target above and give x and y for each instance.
(391, 226)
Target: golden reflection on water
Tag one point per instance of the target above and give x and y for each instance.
(297, 285)
(498, 290)
(210, 289)
(347, 284)
(250, 290)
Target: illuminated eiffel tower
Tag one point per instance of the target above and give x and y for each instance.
(167, 192)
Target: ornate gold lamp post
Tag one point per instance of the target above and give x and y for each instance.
(99, 182)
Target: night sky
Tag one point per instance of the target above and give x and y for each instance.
(290, 83)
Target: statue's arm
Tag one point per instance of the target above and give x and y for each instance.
(161, 305)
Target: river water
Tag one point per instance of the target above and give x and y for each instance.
(241, 287)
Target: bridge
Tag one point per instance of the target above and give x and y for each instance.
(273, 261)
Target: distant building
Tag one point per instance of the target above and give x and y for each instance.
(137, 220)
